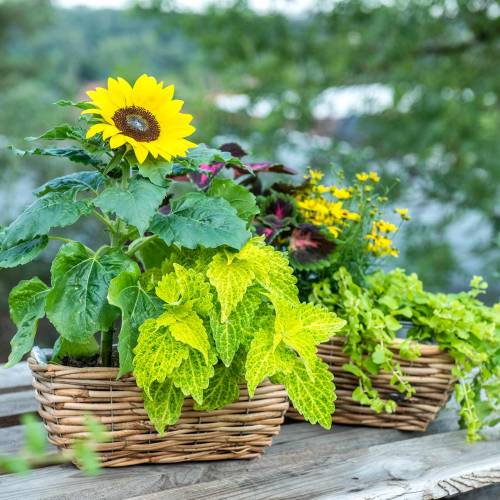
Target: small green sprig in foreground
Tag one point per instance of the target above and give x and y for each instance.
(35, 452)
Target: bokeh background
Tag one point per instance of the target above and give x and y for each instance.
(408, 88)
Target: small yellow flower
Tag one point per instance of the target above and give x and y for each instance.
(362, 177)
(386, 227)
(341, 194)
(353, 216)
(403, 213)
(315, 175)
(374, 177)
(145, 116)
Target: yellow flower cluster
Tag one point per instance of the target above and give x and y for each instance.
(368, 176)
(403, 213)
(320, 211)
(378, 242)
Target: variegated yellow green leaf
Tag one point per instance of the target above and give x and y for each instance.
(194, 374)
(168, 289)
(157, 354)
(239, 328)
(312, 397)
(223, 388)
(194, 289)
(303, 326)
(163, 404)
(231, 277)
(270, 267)
(260, 361)
(186, 327)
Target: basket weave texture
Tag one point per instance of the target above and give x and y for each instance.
(430, 375)
(241, 430)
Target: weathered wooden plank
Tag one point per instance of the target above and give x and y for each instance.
(420, 468)
(298, 446)
(14, 404)
(17, 376)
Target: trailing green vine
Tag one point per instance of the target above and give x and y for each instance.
(458, 323)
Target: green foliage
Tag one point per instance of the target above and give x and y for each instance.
(77, 303)
(195, 219)
(35, 454)
(91, 289)
(27, 307)
(74, 350)
(51, 210)
(79, 181)
(215, 334)
(238, 197)
(23, 252)
(136, 204)
(133, 295)
(458, 323)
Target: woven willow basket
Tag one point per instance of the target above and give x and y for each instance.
(241, 430)
(430, 375)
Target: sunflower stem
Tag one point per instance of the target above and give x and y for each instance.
(106, 346)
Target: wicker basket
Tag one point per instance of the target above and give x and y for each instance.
(430, 375)
(241, 430)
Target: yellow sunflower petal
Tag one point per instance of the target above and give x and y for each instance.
(109, 131)
(126, 89)
(145, 89)
(151, 147)
(95, 129)
(117, 140)
(140, 151)
(115, 90)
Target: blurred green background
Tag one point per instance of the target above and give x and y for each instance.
(408, 88)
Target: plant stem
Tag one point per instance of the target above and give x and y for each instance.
(60, 238)
(106, 346)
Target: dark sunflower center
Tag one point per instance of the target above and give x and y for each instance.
(138, 123)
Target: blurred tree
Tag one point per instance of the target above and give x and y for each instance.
(439, 132)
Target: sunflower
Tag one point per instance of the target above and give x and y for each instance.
(144, 116)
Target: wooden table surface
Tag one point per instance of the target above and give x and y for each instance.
(305, 461)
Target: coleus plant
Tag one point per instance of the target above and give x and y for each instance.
(224, 318)
(459, 324)
(204, 315)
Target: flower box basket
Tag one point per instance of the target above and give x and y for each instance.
(430, 375)
(241, 430)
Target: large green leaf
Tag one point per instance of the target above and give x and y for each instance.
(22, 252)
(163, 404)
(75, 350)
(61, 132)
(156, 171)
(52, 210)
(157, 354)
(199, 220)
(127, 292)
(153, 252)
(78, 181)
(239, 197)
(136, 204)
(231, 277)
(27, 306)
(72, 154)
(77, 304)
